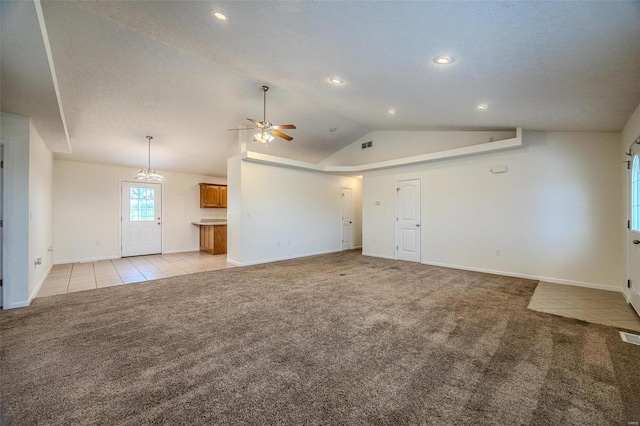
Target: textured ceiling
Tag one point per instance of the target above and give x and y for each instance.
(131, 68)
(26, 86)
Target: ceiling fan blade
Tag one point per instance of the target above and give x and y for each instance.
(256, 122)
(281, 135)
(284, 126)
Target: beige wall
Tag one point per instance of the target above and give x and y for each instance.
(554, 215)
(278, 213)
(40, 210)
(87, 210)
(391, 145)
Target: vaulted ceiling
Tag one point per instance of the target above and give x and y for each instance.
(127, 69)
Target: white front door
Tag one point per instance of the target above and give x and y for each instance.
(347, 220)
(141, 218)
(633, 243)
(408, 220)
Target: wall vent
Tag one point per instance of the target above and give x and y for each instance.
(366, 145)
(630, 338)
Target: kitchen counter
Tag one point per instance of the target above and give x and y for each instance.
(210, 222)
(213, 235)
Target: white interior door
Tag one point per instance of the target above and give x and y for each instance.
(347, 219)
(141, 218)
(408, 220)
(633, 243)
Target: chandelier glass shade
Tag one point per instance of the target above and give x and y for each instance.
(149, 174)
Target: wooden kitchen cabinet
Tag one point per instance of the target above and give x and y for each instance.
(213, 196)
(213, 239)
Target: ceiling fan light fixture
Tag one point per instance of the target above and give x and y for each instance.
(267, 131)
(337, 81)
(263, 137)
(482, 107)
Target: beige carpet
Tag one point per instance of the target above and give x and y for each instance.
(333, 339)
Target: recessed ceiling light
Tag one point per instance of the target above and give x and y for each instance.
(336, 81)
(483, 106)
(333, 129)
(391, 111)
(443, 60)
(218, 15)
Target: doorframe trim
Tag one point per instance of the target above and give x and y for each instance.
(121, 181)
(395, 222)
(342, 227)
(627, 194)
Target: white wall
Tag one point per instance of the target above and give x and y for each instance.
(284, 213)
(554, 215)
(391, 145)
(14, 135)
(87, 210)
(40, 210)
(631, 129)
(234, 210)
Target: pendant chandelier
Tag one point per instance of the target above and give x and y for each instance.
(149, 174)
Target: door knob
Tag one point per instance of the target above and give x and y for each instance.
(636, 241)
(350, 222)
(418, 225)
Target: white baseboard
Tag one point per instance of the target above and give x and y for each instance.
(181, 250)
(382, 256)
(278, 259)
(356, 247)
(531, 277)
(85, 260)
(37, 289)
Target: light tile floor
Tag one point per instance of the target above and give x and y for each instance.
(72, 277)
(598, 306)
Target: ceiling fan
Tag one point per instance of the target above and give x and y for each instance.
(266, 130)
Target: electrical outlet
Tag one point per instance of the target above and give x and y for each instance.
(38, 261)
(498, 252)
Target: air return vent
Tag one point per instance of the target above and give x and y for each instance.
(630, 338)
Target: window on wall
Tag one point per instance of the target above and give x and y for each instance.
(141, 204)
(635, 195)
